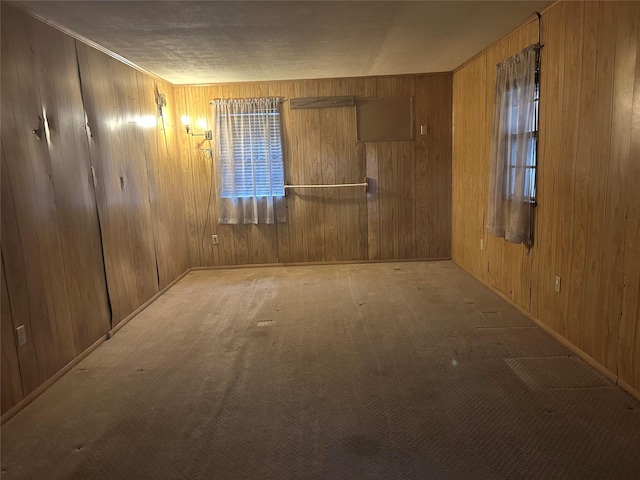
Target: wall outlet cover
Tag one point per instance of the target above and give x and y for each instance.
(21, 333)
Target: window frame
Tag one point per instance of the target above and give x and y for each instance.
(241, 182)
(509, 184)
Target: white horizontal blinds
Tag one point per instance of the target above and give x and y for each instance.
(249, 148)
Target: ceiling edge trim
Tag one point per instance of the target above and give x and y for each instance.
(531, 18)
(86, 41)
(318, 79)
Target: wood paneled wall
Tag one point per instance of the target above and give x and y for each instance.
(588, 214)
(138, 179)
(81, 249)
(50, 234)
(503, 265)
(406, 213)
(11, 391)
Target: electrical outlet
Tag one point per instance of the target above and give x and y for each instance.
(214, 238)
(482, 244)
(21, 333)
(557, 284)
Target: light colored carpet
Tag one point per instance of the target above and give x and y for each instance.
(378, 371)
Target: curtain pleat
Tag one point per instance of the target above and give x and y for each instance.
(513, 143)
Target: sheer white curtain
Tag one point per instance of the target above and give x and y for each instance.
(513, 148)
(250, 178)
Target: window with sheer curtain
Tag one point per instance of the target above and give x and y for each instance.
(513, 158)
(249, 160)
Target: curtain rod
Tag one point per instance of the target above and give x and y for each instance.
(279, 99)
(333, 185)
(539, 15)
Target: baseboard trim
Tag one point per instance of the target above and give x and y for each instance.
(64, 370)
(138, 310)
(577, 351)
(311, 264)
(9, 414)
(632, 391)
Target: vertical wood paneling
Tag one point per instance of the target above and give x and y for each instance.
(587, 214)
(164, 178)
(546, 304)
(320, 147)
(197, 176)
(497, 253)
(57, 284)
(599, 150)
(389, 190)
(433, 166)
(569, 122)
(583, 187)
(125, 161)
(27, 213)
(306, 212)
(50, 235)
(351, 203)
(404, 169)
(111, 99)
(11, 380)
(629, 349)
(281, 232)
(373, 195)
(328, 163)
(468, 163)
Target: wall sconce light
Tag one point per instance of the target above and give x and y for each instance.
(207, 134)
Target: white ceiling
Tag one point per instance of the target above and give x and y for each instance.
(214, 42)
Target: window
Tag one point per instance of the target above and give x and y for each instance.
(250, 148)
(518, 133)
(512, 174)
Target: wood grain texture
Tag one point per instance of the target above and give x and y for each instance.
(116, 145)
(11, 388)
(588, 208)
(629, 350)
(433, 166)
(139, 182)
(548, 179)
(469, 164)
(499, 253)
(405, 215)
(54, 221)
(50, 234)
(164, 178)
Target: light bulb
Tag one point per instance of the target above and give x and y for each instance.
(185, 120)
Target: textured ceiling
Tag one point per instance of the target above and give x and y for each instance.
(214, 42)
